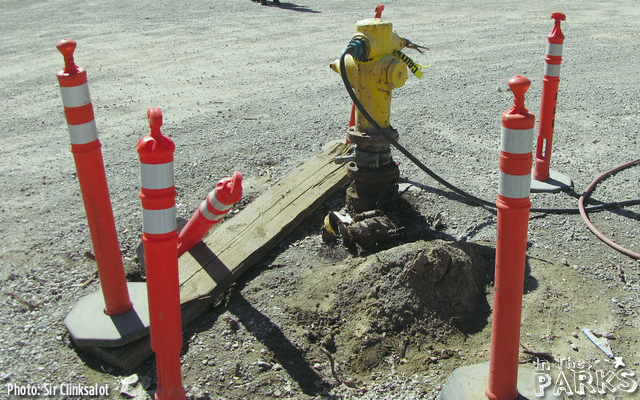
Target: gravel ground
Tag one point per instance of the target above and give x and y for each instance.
(247, 87)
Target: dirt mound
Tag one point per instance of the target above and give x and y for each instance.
(402, 286)
(366, 309)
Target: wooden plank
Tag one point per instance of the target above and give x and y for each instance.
(214, 264)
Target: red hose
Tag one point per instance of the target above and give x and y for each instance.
(585, 217)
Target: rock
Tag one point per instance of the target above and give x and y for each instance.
(133, 387)
(233, 324)
(263, 365)
(131, 380)
(328, 342)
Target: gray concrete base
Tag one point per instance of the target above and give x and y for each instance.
(470, 383)
(88, 325)
(557, 182)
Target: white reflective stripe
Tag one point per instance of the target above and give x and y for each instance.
(514, 186)
(554, 49)
(75, 96)
(216, 204)
(516, 141)
(552, 69)
(159, 221)
(83, 133)
(208, 214)
(157, 176)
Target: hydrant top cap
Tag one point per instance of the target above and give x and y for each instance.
(372, 21)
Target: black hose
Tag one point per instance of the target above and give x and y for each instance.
(442, 181)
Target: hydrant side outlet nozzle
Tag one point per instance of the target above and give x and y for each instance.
(358, 48)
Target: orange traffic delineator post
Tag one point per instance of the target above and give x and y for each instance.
(352, 120)
(502, 378)
(160, 241)
(544, 179)
(511, 243)
(219, 201)
(87, 323)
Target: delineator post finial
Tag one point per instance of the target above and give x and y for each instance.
(154, 115)
(556, 34)
(519, 85)
(67, 47)
(379, 9)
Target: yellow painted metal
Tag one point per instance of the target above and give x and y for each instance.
(374, 76)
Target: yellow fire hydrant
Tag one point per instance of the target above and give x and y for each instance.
(374, 76)
(374, 67)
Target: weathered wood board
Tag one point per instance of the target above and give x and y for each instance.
(235, 245)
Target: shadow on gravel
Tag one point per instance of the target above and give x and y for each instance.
(450, 195)
(294, 7)
(268, 333)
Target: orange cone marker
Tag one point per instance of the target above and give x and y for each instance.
(160, 239)
(511, 244)
(87, 154)
(218, 203)
(545, 180)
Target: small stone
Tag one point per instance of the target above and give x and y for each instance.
(574, 346)
(131, 387)
(233, 324)
(263, 365)
(317, 366)
(328, 342)
(350, 382)
(574, 334)
(447, 353)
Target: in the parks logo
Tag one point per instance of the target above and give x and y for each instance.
(567, 377)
